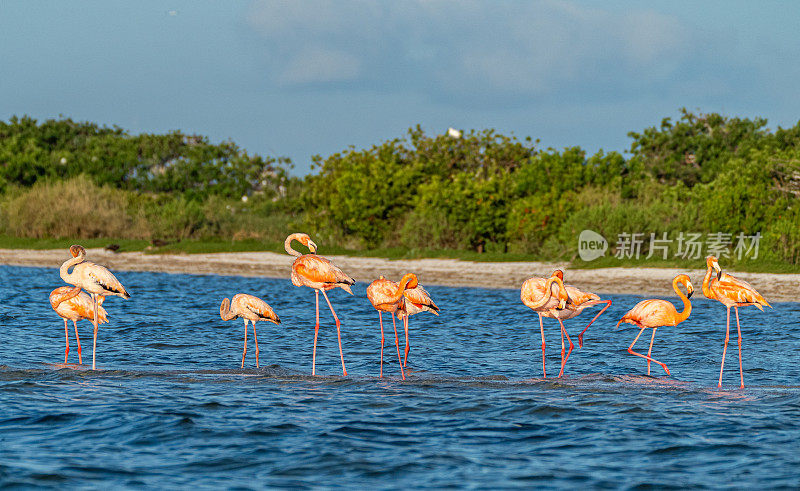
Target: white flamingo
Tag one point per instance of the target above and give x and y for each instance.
(95, 279)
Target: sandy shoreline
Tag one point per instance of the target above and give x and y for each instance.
(447, 272)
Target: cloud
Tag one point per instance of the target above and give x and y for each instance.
(316, 64)
(478, 50)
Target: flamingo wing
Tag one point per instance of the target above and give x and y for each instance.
(256, 306)
(578, 297)
(533, 290)
(737, 290)
(80, 307)
(381, 294)
(317, 270)
(420, 298)
(651, 313)
(106, 280)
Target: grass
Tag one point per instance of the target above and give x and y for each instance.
(251, 245)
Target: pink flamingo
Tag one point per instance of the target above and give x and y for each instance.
(658, 313)
(70, 303)
(578, 301)
(415, 300)
(318, 273)
(731, 292)
(387, 296)
(96, 280)
(251, 309)
(545, 298)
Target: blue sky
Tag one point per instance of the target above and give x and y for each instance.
(299, 78)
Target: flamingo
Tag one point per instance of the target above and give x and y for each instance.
(658, 313)
(578, 301)
(537, 294)
(415, 300)
(251, 309)
(70, 303)
(731, 292)
(387, 296)
(318, 273)
(96, 280)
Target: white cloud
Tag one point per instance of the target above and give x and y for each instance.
(468, 48)
(319, 65)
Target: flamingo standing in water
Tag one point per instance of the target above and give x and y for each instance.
(70, 303)
(415, 300)
(251, 309)
(538, 294)
(386, 296)
(578, 301)
(96, 280)
(731, 292)
(318, 273)
(658, 313)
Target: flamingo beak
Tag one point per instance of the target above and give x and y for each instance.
(691, 292)
(312, 247)
(716, 267)
(562, 304)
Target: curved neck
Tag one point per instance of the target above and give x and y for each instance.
(548, 291)
(56, 300)
(707, 284)
(63, 271)
(687, 305)
(225, 310)
(287, 245)
(403, 286)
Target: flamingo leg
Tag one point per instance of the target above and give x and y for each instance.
(338, 331)
(562, 350)
(650, 350)
(255, 340)
(316, 333)
(244, 352)
(580, 336)
(739, 330)
(94, 322)
(630, 350)
(78, 339)
(66, 335)
(408, 347)
(397, 343)
(564, 330)
(383, 342)
(725, 348)
(541, 328)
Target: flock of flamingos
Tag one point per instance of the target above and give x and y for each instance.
(548, 297)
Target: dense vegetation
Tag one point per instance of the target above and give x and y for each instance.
(483, 192)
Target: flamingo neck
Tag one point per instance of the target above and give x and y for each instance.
(225, 310)
(403, 286)
(56, 300)
(548, 291)
(64, 269)
(707, 284)
(287, 245)
(687, 305)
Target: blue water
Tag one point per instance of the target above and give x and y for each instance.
(170, 407)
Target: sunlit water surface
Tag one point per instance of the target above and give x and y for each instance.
(170, 407)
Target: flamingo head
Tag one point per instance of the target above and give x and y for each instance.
(711, 262)
(687, 283)
(306, 241)
(77, 250)
(411, 280)
(563, 298)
